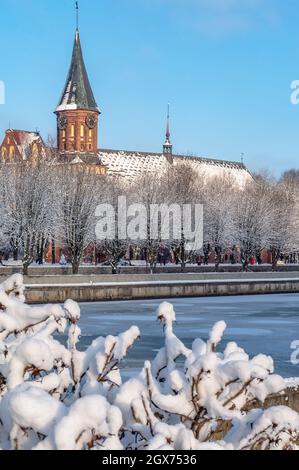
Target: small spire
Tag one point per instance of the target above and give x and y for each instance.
(77, 16)
(167, 147)
(242, 158)
(168, 126)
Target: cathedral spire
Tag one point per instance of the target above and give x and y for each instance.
(77, 93)
(167, 147)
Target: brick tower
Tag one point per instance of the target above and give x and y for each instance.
(77, 112)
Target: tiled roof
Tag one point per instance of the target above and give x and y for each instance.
(77, 93)
(132, 164)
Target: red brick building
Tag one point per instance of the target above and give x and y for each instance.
(77, 111)
(77, 125)
(19, 146)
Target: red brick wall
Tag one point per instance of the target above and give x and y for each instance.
(77, 118)
(7, 143)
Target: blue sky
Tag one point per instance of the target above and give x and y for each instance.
(225, 66)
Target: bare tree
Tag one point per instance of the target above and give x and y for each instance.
(27, 209)
(150, 191)
(283, 223)
(78, 193)
(184, 188)
(251, 218)
(115, 248)
(218, 227)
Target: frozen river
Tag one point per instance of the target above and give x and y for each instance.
(259, 324)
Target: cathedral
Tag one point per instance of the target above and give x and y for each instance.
(78, 116)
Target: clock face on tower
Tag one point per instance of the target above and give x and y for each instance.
(91, 121)
(62, 123)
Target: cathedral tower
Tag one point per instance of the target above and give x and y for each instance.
(77, 111)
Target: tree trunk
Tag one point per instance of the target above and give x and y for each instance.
(53, 252)
(15, 254)
(75, 267)
(274, 265)
(183, 255)
(275, 258)
(245, 265)
(114, 268)
(41, 251)
(274, 261)
(25, 269)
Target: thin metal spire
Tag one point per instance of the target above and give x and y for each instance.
(167, 147)
(168, 125)
(77, 16)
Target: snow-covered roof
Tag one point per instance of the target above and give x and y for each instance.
(24, 141)
(76, 160)
(132, 164)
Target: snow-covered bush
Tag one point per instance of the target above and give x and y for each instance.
(53, 396)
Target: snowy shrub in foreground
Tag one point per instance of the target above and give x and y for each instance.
(55, 397)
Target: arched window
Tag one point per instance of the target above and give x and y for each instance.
(34, 151)
(63, 135)
(3, 154)
(72, 136)
(12, 153)
(82, 132)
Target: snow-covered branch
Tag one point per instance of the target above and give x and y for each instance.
(55, 396)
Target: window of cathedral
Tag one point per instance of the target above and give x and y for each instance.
(11, 153)
(63, 140)
(34, 151)
(72, 137)
(3, 154)
(82, 132)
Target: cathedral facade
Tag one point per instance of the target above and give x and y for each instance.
(77, 115)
